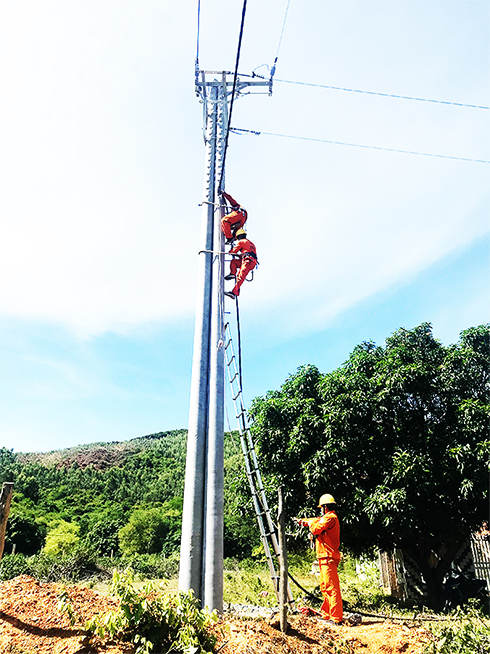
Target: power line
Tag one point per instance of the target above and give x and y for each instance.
(244, 9)
(198, 36)
(386, 95)
(237, 130)
(198, 29)
(273, 70)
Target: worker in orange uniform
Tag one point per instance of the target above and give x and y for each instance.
(326, 529)
(245, 261)
(233, 221)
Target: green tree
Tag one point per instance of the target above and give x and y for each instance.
(241, 533)
(151, 530)
(62, 539)
(25, 534)
(8, 465)
(399, 434)
(103, 536)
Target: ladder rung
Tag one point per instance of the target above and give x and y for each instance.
(262, 511)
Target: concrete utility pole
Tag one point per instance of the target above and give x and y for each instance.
(201, 550)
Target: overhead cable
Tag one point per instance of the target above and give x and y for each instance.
(197, 39)
(386, 95)
(237, 130)
(244, 9)
(273, 70)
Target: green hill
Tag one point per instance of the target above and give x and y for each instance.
(115, 497)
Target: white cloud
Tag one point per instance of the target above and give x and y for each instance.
(101, 162)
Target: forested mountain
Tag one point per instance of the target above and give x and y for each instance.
(119, 496)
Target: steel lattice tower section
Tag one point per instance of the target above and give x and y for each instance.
(201, 551)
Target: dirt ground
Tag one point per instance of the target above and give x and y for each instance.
(31, 623)
(307, 635)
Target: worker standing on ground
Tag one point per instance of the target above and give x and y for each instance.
(233, 221)
(243, 263)
(326, 529)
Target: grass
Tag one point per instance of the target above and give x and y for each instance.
(249, 582)
(466, 632)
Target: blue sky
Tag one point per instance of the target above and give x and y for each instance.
(102, 168)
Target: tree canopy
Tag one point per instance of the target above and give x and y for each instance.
(398, 434)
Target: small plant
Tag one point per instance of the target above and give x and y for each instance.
(149, 619)
(65, 606)
(466, 632)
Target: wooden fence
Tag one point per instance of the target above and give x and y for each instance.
(480, 550)
(400, 576)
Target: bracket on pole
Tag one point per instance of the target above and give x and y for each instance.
(206, 79)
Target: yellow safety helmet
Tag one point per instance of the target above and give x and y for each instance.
(240, 232)
(326, 499)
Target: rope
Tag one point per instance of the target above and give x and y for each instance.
(356, 145)
(385, 95)
(273, 70)
(220, 187)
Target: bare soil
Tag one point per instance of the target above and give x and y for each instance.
(308, 635)
(31, 623)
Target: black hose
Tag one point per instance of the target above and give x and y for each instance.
(369, 615)
(313, 597)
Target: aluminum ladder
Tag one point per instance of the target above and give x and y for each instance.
(268, 531)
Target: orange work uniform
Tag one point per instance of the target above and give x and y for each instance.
(327, 532)
(234, 220)
(242, 266)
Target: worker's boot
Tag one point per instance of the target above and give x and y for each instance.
(230, 294)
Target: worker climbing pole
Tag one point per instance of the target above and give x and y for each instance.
(234, 220)
(244, 261)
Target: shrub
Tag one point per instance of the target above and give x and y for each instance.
(466, 633)
(63, 539)
(151, 619)
(77, 567)
(152, 566)
(103, 538)
(152, 530)
(13, 565)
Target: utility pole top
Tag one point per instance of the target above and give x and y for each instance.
(206, 78)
